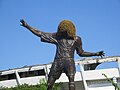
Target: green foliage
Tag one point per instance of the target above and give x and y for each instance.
(114, 84)
(41, 86)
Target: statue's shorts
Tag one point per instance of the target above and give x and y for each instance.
(66, 65)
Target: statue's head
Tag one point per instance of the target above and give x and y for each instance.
(66, 29)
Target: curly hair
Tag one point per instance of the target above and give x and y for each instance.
(68, 27)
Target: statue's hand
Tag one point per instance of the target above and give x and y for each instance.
(23, 23)
(100, 53)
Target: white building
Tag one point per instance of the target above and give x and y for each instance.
(84, 80)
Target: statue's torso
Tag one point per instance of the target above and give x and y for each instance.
(65, 48)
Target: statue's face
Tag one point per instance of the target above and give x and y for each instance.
(66, 28)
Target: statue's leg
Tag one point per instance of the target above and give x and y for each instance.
(69, 69)
(71, 82)
(50, 83)
(54, 74)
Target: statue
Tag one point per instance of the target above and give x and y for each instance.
(66, 42)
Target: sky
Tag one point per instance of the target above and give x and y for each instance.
(97, 22)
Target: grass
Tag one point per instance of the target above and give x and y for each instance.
(41, 86)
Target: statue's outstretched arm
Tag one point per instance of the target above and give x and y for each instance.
(87, 54)
(33, 30)
(82, 53)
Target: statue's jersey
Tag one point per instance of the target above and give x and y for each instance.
(65, 47)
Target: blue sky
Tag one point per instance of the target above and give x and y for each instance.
(97, 23)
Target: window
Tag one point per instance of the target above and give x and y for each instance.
(23, 74)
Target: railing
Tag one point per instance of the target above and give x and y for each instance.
(81, 63)
(87, 61)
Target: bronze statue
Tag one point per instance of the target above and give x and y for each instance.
(66, 42)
